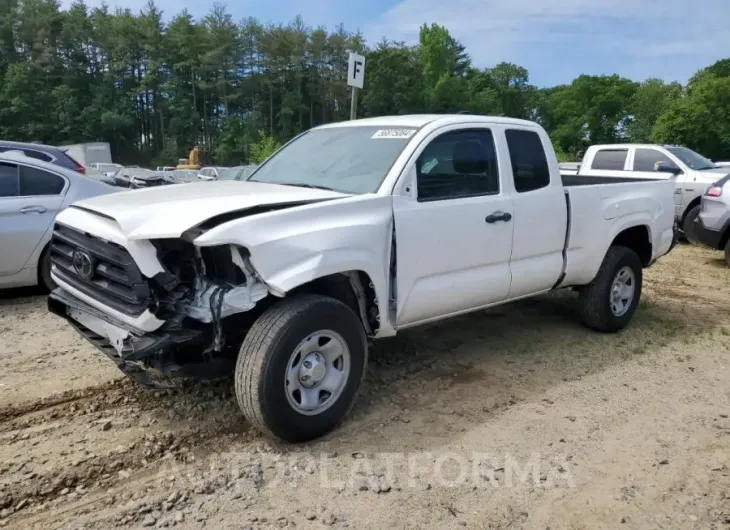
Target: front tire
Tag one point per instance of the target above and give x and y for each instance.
(300, 367)
(688, 225)
(44, 270)
(610, 300)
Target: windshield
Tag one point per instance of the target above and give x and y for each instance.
(246, 172)
(346, 159)
(692, 159)
(229, 173)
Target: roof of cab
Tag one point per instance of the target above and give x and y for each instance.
(419, 120)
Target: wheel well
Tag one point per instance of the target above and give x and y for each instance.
(39, 266)
(696, 202)
(637, 239)
(340, 287)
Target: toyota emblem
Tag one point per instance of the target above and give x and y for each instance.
(83, 264)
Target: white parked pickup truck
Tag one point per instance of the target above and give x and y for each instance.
(352, 231)
(692, 173)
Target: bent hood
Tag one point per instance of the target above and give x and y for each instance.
(168, 211)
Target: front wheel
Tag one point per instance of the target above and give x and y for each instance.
(610, 300)
(44, 270)
(300, 367)
(688, 225)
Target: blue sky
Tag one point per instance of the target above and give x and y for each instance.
(556, 40)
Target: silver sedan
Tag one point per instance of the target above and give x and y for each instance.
(32, 192)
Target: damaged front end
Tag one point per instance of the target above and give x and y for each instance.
(204, 299)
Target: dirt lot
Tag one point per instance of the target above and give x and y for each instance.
(515, 417)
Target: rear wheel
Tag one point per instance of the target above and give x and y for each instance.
(300, 367)
(688, 225)
(610, 300)
(727, 252)
(44, 270)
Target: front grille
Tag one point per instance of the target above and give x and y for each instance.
(112, 277)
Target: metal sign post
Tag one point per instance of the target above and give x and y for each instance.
(355, 79)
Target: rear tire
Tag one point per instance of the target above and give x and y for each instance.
(292, 352)
(44, 270)
(727, 253)
(688, 225)
(610, 300)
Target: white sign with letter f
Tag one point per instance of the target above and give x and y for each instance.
(355, 70)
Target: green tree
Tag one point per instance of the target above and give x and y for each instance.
(592, 109)
(700, 120)
(444, 64)
(263, 148)
(651, 99)
(394, 84)
(153, 89)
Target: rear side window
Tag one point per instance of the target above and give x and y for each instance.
(646, 159)
(38, 155)
(8, 180)
(610, 159)
(529, 163)
(34, 182)
(74, 163)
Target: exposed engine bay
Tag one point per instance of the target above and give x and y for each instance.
(199, 289)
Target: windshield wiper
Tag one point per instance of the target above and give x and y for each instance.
(302, 185)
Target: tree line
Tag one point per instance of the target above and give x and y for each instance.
(153, 89)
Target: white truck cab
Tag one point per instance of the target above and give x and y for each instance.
(351, 232)
(691, 172)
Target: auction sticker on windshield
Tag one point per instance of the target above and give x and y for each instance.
(393, 133)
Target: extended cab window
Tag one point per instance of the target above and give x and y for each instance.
(529, 163)
(35, 182)
(8, 180)
(646, 159)
(458, 164)
(610, 159)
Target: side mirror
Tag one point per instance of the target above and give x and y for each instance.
(666, 167)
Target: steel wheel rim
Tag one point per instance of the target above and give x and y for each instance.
(317, 372)
(623, 289)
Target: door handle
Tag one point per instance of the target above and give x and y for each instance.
(33, 209)
(498, 216)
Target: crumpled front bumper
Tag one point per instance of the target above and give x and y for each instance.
(148, 358)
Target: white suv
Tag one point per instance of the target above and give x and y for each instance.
(712, 227)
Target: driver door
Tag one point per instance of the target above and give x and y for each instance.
(454, 230)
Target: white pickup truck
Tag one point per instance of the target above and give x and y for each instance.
(352, 231)
(691, 173)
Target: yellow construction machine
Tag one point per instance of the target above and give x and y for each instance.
(192, 161)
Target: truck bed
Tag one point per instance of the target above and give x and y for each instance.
(585, 180)
(596, 206)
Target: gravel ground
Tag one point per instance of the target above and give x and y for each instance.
(515, 417)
